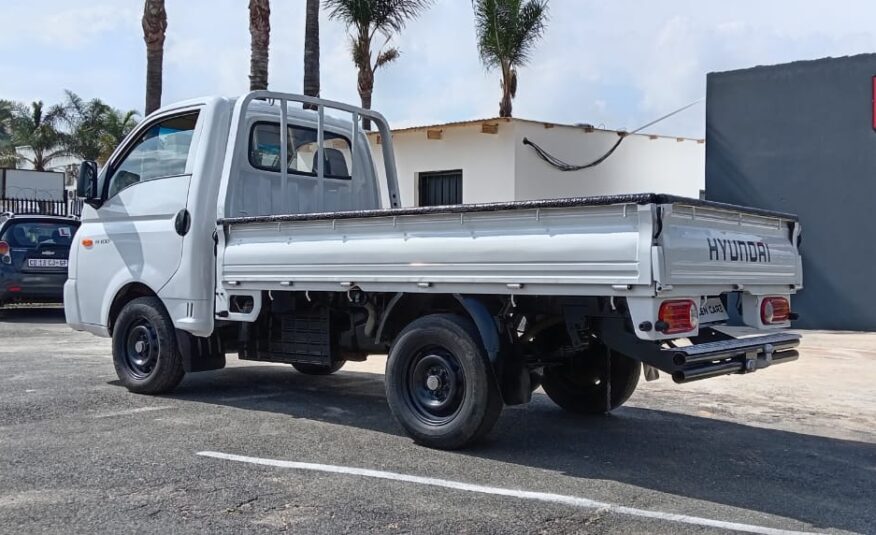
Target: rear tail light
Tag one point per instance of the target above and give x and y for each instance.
(774, 310)
(4, 248)
(678, 316)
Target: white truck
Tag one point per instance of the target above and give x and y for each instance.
(258, 225)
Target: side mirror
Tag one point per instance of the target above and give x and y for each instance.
(86, 184)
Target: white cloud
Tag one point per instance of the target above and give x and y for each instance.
(618, 64)
(62, 25)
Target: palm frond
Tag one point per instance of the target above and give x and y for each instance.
(507, 30)
(387, 56)
(369, 16)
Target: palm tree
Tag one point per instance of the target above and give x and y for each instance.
(364, 18)
(154, 29)
(94, 128)
(39, 130)
(117, 124)
(311, 49)
(260, 39)
(85, 124)
(507, 31)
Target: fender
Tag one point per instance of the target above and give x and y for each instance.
(476, 310)
(483, 320)
(510, 372)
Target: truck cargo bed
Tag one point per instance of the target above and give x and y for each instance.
(616, 245)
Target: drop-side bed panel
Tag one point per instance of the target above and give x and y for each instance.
(572, 250)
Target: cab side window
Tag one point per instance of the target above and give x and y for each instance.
(162, 151)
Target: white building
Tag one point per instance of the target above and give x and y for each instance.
(486, 161)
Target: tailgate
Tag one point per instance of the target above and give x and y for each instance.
(705, 246)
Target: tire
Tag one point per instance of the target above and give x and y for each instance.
(316, 369)
(577, 387)
(440, 383)
(145, 352)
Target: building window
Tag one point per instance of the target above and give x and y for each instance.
(440, 188)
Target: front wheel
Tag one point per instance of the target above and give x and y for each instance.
(439, 382)
(580, 385)
(145, 352)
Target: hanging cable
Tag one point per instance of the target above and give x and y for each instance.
(555, 162)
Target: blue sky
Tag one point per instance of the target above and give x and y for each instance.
(618, 63)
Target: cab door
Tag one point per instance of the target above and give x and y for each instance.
(133, 235)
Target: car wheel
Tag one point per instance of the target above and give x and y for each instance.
(579, 386)
(440, 384)
(145, 352)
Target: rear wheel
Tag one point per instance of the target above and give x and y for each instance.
(580, 385)
(439, 383)
(318, 369)
(145, 352)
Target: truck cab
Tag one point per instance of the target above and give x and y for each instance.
(259, 226)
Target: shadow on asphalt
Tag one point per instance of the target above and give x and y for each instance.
(52, 314)
(823, 481)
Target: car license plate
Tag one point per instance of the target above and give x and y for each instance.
(47, 262)
(713, 311)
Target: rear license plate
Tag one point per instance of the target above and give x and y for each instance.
(47, 262)
(713, 311)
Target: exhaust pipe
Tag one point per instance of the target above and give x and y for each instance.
(706, 372)
(733, 366)
(681, 358)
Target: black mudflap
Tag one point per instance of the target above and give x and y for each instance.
(200, 354)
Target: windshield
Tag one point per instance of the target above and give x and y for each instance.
(30, 234)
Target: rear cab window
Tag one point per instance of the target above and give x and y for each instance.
(32, 234)
(264, 151)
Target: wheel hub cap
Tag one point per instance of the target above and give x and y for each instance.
(433, 383)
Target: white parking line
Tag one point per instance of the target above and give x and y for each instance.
(573, 501)
(128, 412)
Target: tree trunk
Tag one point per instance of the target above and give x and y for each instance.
(154, 29)
(505, 105)
(366, 87)
(507, 93)
(311, 50)
(362, 59)
(260, 36)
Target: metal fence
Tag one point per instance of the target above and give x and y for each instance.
(69, 206)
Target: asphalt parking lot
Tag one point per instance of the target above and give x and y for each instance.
(792, 448)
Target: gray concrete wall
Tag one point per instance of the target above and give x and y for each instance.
(799, 138)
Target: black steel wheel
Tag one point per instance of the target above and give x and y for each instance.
(435, 386)
(580, 385)
(318, 369)
(440, 384)
(141, 348)
(145, 353)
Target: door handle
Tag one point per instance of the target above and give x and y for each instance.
(182, 222)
